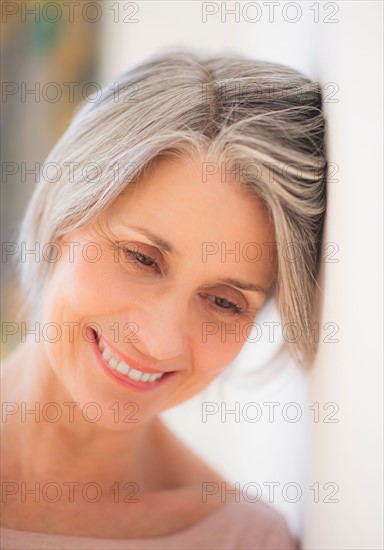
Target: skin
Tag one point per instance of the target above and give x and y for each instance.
(169, 304)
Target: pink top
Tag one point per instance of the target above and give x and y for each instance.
(243, 525)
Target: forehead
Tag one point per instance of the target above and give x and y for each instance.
(208, 222)
(179, 197)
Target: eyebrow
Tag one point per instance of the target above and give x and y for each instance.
(244, 286)
(168, 247)
(161, 243)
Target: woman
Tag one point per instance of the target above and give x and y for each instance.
(179, 162)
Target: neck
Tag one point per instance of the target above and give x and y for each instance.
(56, 442)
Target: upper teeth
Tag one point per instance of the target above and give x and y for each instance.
(123, 368)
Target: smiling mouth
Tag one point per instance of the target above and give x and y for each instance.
(123, 368)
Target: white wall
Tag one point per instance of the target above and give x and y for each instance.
(350, 372)
(346, 52)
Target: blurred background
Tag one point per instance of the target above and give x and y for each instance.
(55, 54)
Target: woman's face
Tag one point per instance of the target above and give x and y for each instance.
(158, 277)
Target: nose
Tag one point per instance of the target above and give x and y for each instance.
(161, 327)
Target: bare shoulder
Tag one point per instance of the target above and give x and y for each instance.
(220, 509)
(185, 467)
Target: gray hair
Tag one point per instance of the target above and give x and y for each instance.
(252, 115)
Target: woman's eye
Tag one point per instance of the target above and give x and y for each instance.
(223, 305)
(141, 260)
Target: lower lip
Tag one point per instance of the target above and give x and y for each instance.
(121, 378)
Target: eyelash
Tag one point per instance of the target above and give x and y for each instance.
(134, 254)
(234, 307)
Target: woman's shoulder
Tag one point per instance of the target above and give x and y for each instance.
(268, 526)
(223, 517)
(236, 525)
(249, 524)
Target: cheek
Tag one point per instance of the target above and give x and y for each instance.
(91, 286)
(215, 351)
(82, 288)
